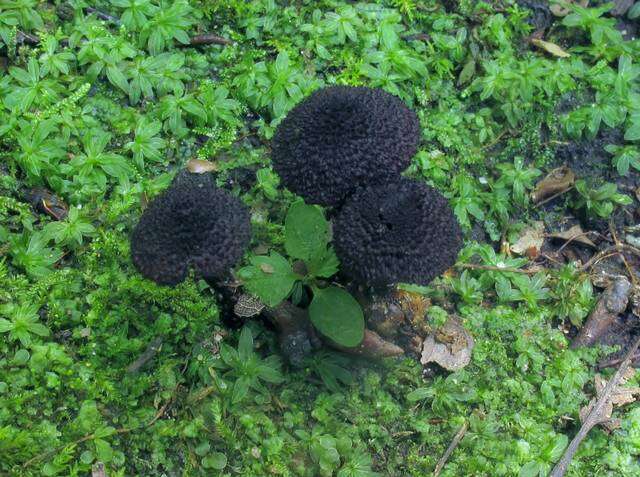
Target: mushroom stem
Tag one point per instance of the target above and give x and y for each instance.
(296, 335)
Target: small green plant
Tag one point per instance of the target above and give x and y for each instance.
(246, 369)
(598, 202)
(624, 158)
(274, 278)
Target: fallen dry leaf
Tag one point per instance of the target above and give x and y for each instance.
(199, 166)
(574, 234)
(619, 397)
(46, 202)
(549, 47)
(450, 346)
(530, 241)
(558, 180)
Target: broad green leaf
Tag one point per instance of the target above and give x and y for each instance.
(270, 278)
(306, 231)
(324, 265)
(337, 315)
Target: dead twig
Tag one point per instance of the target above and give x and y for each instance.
(614, 236)
(616, 249)
(454, 443)
(593, 417)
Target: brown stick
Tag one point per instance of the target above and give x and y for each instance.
(454, 443)
(592, 419)
(614, 236)
(209, 39)
(612, 250)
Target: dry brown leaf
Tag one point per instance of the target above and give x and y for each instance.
(530, 241)
(199, 166)
(47, 202)
(549, 47)
(450, 346)
(557, 181)
(574, 234)
(619, 397)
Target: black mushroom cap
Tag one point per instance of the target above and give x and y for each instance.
(343, 137)
(403, 232)
(191, 224)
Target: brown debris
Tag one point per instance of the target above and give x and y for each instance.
(530, 242)
(574, 234)
(450, 346)
(596, 413)
(557, 182)
(613, 301)
(46, 202)
(619, 396)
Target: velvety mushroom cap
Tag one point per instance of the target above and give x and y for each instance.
(403, 232)
(341, 138)
(191, 224)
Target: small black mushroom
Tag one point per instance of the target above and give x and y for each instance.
(191, 224)
(341, 138)
(403, 232)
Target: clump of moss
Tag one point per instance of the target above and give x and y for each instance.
(191, 224)
(341, 138)
(404, 231)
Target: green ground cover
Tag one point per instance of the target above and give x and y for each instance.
(101, 103)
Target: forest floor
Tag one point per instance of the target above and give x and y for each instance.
(530, 118)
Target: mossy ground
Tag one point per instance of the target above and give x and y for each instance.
(102, 108)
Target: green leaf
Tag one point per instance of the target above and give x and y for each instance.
(530, 469)
(306, 231)
(217, 460)
(117, 78)
(324, 265)
(337, 315)
(270, 278)
(419, 394)
(104, 452)
(245, 344)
